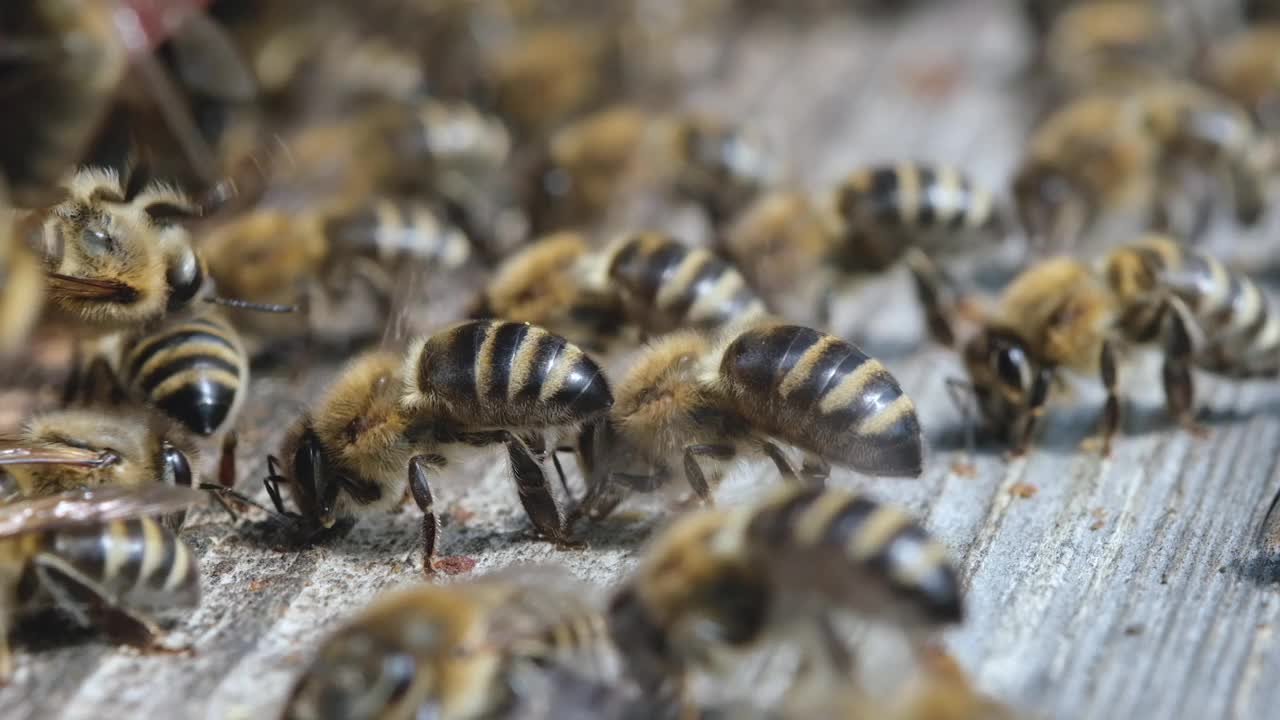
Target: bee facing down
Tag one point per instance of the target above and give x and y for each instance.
(387, 422)
(690, 406)
(1063, 314)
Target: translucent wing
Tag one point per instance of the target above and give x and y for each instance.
(55, 455)
(97, 505)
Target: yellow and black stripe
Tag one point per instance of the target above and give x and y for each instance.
(391, 231)
(194, 370)
(499, 374)
(822, 394)
(869, 535)
(1241, 331)
(683, 287)
(137, 563)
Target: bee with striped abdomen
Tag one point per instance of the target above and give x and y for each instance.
(718, 165)
(666, 285)
(456, 651)
(548, 284)
(726, 580)
(389, 421)
(72, 449)
(1063, 314)
(323, 260)
(1207, 139)
(96, 547)
(691, 405)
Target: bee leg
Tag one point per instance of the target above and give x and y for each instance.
(420, 488)
(227, 461)
(963, 396)
(815, 469)
(693, 470)
(936, 292)
(92, 606)
(1034, 412)
(1179, 386)
(535, 493)
(1247, 193)
(1111, 413)
(780, 461)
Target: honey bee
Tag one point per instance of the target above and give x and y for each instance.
(388, 422)
(781, 244)
(548, 284)
(1063, 314)
(72, 449)
(690, 405)
(722, 581)
(21, 283)
(118, 258)
(696, 157)
(1151, 149)
(718, 165)
(1111, 46)
(666, 285)
(1243, 68)
(95, 547)
(455, 651)
(318, 259)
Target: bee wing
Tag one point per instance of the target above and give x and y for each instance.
(96, 505)
(80, 288)
(55, 455)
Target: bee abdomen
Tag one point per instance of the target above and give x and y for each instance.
(687, 286)
(867, 535)
(820, 393)
(136, 562)
(194, 371)
(915, 196)
(516, 374)
(390, 231)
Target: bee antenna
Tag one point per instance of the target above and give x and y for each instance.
(247, 305)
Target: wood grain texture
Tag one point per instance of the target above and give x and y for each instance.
(1124, 587)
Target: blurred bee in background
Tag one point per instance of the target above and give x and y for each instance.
(387, 422)
(69, 63)
(1168, 149)
(717, 583)
(468, 649)
(326, 261)
(1243, 67)
(692, 405)
(21, 282)
(98, 556)
(549, 284)
(1109, 46)
(692, 157)
(1062, 314)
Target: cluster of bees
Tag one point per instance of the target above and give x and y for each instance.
(188, 197)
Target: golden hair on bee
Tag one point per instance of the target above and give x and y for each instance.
(72, 449)
(1243, 67)
(724, 580)
(1111, 46)
(548, 284)
(22, 284)
(455, 648)
(780, 244)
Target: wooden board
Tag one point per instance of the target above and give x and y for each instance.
(1125, 587)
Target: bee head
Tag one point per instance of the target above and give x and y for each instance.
(310, 481)
(1009, 383)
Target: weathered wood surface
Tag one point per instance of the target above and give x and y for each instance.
(1125, 587)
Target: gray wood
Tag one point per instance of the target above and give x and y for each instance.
(1125, 587)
